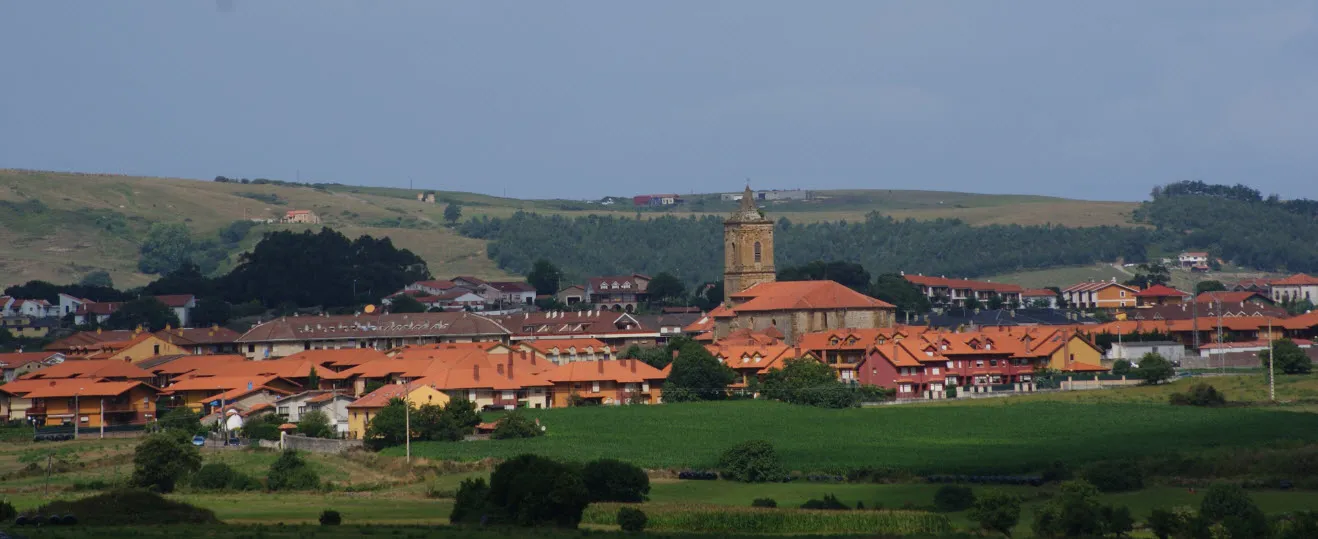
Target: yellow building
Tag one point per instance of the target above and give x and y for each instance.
(141, 347)
(89, 403)
(1071, 352)
(27, 327)
(362, 410)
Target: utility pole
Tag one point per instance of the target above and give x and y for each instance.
(102, 418)
(1221, 358)
(1272, 387)
(407, 422)
(76, 414)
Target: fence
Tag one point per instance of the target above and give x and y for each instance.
(315, 445)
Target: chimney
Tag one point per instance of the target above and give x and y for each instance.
(510, 366)
(499, 368)
(476, 372)
(797, 350)
(600, 362)
(524, 355)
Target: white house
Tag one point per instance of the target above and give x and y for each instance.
(35, 308)
(1191, 259)
(333, 403)
(513, 293)
(69, 304)
(1297, 287)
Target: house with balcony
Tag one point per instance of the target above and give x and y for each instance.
(627, 381)
(955, 292)
(91, 403)
(618, 292)
(1105, 295)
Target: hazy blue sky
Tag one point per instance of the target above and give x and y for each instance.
(580, 99)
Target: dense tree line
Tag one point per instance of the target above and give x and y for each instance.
(692, 248)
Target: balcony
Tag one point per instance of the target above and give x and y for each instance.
(36, 410)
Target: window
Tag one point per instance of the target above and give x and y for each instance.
(509, 395)
(979, 363)
(904, 388)
(306, 345)
(757, 252)
(935, 370)
(594, 387)
(993, 363)
(950, 365)
(156, 349)
(251, 348)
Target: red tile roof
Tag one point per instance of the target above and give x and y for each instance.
(96, 389)
(1038, 293)
(804, 295)
(381, 397)
(1299, 279)
(299, 328)
(90, 368)
(1092, 286)
(344, 357)
(1228, 297)
(195, 336)
(222, 383)
(191, 364)
(1161, 291)
(545, 346)
(176, 300)
(18, 359)
(623, 371)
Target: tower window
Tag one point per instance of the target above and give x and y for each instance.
(757, 252)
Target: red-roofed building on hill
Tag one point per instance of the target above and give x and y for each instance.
(16, 364)
(1160, 295)
(1298, 287)
(955, 291)
(88, 312)
(799, 307)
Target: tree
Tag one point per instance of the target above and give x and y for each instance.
(145, 312)
(631, 520)
(98, 278)
(166, 248)
(1208, 286)
(1076, 512)
(471, 505)
(807, 381)
(996, 302)
(181, 419)
(453, 213)
(387, 428)
(753, 461)
(516, 425)
(953, 498)
(610, 480)
(708, 295)
(263, 427)
(1154, 369)
(545, 277)
(404, 303)
(996, 512)
(848, 274)
(315, 424)
(697, 375)
(1232, 507)
(656, 356)
(211, 311)
(531, 490)
(290, 472)
(313, 379)
(1289, 358)
(666, 289)
(186, 279)
(1149, 274)
(1121, 367)
(895, 289)
(161, 461)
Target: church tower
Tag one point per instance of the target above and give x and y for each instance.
(747, 248)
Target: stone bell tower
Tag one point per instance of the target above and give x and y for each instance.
(747, 248)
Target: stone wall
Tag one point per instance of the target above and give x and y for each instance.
(318, 445)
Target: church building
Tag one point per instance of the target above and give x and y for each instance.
(754, 300)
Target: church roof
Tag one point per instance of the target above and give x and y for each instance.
(803, 295)
(747, 212)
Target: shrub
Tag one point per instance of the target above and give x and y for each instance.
(262, 427)
(610, 480)
(330, 517)
(1075, 512)
(129, 508)
(1231, 506)
(997, 512)
(1120, 367)
(764, 502)
(1200, 394)
(1114, 476)
(754, 461)
(530, 490)
(221, 476)
(161, 460)
(1301, 525)
(182, 419)
(1057, 471)
(315, 424)
(7, 511)
(952, 498)
(1118, 519)
(830, 503)
(1165, 523)
(1290, 358)
(1154, 369)
(470, 504)
(516, 425)
(290, 472)
(631, 519)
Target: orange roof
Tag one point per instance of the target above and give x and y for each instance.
(962, 284)
(381, 397)
(845, 339)
(804, 295)
(1299, 279)
(1038, 293)
(483, 378)
(1228, 297)
(187, 364)
(15, 360)
(259, 407)
(240, 392)
(762, 358)
(623, 371)
(97, 389)
(1161, 291)
(1077, 366)
(87, 338)
(1233, 323)
(900, 353)
(546, 346)
(1305, 321)
(345, 357)
(22, 387)
(705, 323)
(90, 368)
(221, 382)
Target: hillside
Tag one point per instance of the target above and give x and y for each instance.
(60, 226)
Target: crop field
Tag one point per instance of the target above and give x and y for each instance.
(1009, 436)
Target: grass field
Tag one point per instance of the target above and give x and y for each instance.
(1008, 436)
(96, 221)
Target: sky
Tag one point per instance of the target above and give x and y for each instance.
(582, 99)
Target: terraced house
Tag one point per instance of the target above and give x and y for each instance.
(955, 292)
(1108, 295)
(289, 335)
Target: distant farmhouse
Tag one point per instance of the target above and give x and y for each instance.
(301, 216)
(775, 194)
(428, 197)
(657, 200)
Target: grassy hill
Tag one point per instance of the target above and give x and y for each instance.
(60, 226)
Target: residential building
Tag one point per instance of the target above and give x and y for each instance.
(571, 295)
(168, 369)
(1241, 297)
(31, 308)
(560, 351)
(752, 355)
(955, 292)
(1100, 295)
(1257, 284)
(28, 327)
(301, 216)
(289, 335)
(91, 403)
(956, 319)
(333, 403)
(747, 248)
(512, 293)
(91, 370)
(1134, 350)
(433, 287)
(1039, 298)
(141, 346)
(182, 305)
(198, 341)
(1160, 295)
(502, 386)
(627, 381)
(16, 364)
(69, 304)
(1205, 309)
(455, 299)
(618, 292)
(797, 308)
(368, 406)
(1193, 259)
(88, 312)
(207, 394)
(668, 199)
(1298, 287)
(618, 330)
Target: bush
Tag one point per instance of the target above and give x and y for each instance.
(290, 472)
(182, 419)
(315, 424)
(631, 519)
(1154, 369)
(530, 490)
(7, 511)
(1120, 367)
(1231, 506)
(1114, 476)
(330, 517)
(516, 425)
(953, 498)
(754, 461)
(161, 460)
(470, 505)
(1301, 525)
(1165, 523)
(221, 476)
(1200, 394)
(830, 503)
(1057, 471)
(764, 502)
(129, 508)
(1290, 358)
(1075, 512)
(997, 512)
(610, 480)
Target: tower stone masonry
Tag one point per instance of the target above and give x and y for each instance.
(747, 248)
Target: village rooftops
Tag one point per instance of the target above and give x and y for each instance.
(184, 364)
(303, 328)
(575, 324)
(342, 358)
(15, 360)
(224, 383)
(963, 284)
(91, 389)
(195, 336)
(1223, 296)
(618, 370)
(90, 368)
(801, 296)
(1161, 291)
(1299, 279)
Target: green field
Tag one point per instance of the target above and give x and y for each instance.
(96, 221)
(1008, 436)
